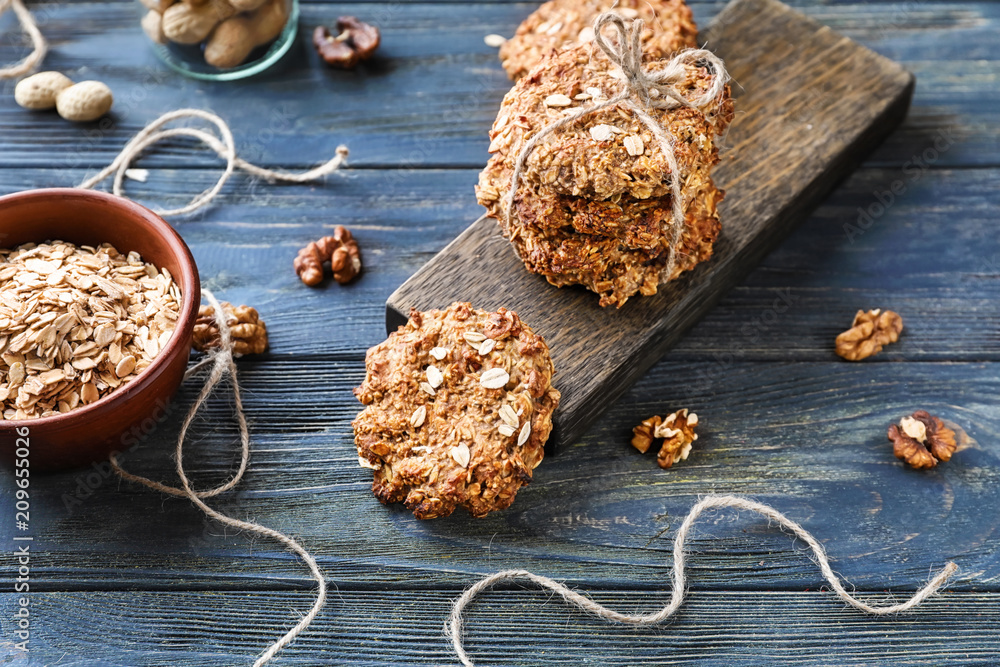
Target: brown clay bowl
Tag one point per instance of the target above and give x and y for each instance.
(124, 417)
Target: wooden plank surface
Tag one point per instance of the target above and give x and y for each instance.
(812, 444)
(245, 245)
(510, 627)
(136, 579)
(388, 117)
(802, 126)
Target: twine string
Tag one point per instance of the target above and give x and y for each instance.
(454, 625)
(222, 364)
(222, 143)
(39, 46)
(656, 89)
(644, 89)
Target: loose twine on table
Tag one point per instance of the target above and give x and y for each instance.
(454, 625)
(222, 364)
(223, 144)
(644, 89)
(39, 46)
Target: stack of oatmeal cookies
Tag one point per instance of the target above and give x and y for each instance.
(593, 205)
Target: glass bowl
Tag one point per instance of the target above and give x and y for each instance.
(213, 40)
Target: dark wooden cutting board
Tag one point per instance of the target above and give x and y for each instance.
(811, 104)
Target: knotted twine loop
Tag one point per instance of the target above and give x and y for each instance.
(644, 89)
(454, 625)
(39, 46)
(223, 144)
(222, 364)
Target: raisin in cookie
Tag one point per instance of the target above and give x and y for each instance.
(459, 405)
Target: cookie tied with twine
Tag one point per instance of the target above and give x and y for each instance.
(644, 89)
(595, 125)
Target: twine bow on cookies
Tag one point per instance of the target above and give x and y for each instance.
(644, 89)
(655, 89)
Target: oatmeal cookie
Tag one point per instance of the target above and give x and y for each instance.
(557, 24)
(459, 405)
(606, 265)
(636, 223)
(603, 154)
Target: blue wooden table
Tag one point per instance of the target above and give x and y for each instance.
(123, 576)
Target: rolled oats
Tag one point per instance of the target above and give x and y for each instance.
(434, 377)
(558, 100)
(524, 434)
(602, 132)
(418, 417)
(633, 145)
(77, 322)
(461, 454)
(474, 337)
(508, 416)
(494, 378)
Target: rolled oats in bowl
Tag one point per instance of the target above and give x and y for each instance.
(77, 323)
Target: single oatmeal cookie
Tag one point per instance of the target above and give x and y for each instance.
(459, 405)
(670, 27)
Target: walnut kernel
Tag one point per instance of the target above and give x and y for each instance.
(642, 438)
(922, 440)
(248, 331)
(340, 249)
(676, 431)
(354, 42)
(868, 334)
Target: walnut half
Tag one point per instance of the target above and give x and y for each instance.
(922, 440)
(340, 249)
(869, 333)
